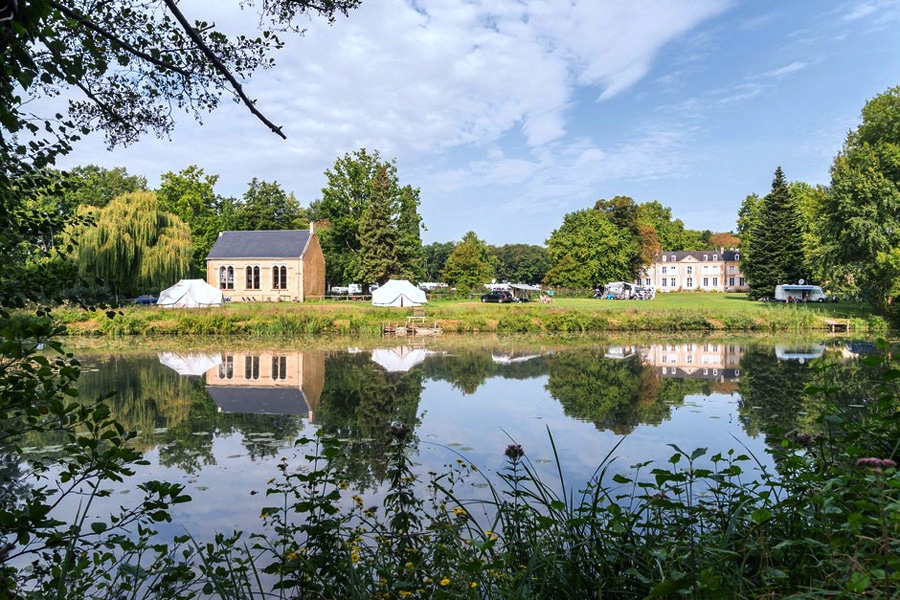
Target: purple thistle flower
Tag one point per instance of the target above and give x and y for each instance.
(514, 451)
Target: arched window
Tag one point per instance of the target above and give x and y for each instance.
(737, 256)
(253, 278)
(664, 258)
(673, 258)
(705, 257)
(279, 277)
(226, 278)
(715, 257)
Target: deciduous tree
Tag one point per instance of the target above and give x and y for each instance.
(588, 250)
(522, 263)
(470, 265)
(350, 189)
(861, 216)
(134, 246)
(436, 254)
(267, 207)
(190, 195)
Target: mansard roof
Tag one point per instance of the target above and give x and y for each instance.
(697, 255)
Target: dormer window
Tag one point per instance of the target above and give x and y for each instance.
(673, 258)
(664, 258)
(705, 257)
(737, 256)
(715, 257)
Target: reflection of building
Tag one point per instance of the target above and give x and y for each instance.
(268, 382)
(715, 361)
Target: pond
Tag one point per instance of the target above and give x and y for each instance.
(220, 421)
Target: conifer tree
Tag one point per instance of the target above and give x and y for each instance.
(410, 251)
(776, 254)
(377, 256)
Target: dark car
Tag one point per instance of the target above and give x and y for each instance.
(146, 299)
(500, 296)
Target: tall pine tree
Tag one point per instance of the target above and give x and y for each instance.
(776, 254)
(377, 257)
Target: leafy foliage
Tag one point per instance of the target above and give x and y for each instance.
(522, 263)
(470, 265)
(588, 250)
(189, 195)
(861, 216)
(133, 245)
(392, 229)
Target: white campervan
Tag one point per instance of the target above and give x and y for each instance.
(799, 293)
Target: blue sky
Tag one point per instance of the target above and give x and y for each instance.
(508, 114)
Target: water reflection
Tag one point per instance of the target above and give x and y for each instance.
(220, 421)
(180, 401)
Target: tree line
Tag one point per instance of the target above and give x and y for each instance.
(844, 236)
(114, 237)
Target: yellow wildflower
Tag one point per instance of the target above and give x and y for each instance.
(445, 582)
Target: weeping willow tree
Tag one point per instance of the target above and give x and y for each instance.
(133, 246)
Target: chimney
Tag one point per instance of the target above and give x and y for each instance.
(312, 228)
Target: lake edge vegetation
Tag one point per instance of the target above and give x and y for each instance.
(669, 313)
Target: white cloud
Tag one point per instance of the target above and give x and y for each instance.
(787, 69)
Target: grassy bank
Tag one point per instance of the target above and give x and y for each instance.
(672, 312)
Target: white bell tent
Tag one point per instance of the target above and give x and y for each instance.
(398, 292)
(190, 293)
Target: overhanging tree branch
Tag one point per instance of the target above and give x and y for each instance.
(220, 67)
(82, 20)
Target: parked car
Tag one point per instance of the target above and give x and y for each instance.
(146, 299)
(499, 296)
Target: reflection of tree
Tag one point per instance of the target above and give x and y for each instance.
(359, 402)
(175, 412)
(148, 396)
(612, 394)
(465, 370)
(13, 489)
(772, 397)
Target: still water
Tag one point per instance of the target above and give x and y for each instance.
(220, 421)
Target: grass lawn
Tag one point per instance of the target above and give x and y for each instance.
(692, 301)
(675, 311)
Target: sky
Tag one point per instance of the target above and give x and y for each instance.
(508, 114)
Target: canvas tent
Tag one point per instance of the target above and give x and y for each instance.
(190, 293)
(398, 292)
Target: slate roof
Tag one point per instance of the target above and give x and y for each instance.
(260, 244)
(726, 255)
(259, 401)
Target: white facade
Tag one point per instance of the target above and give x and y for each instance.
(695, 270)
